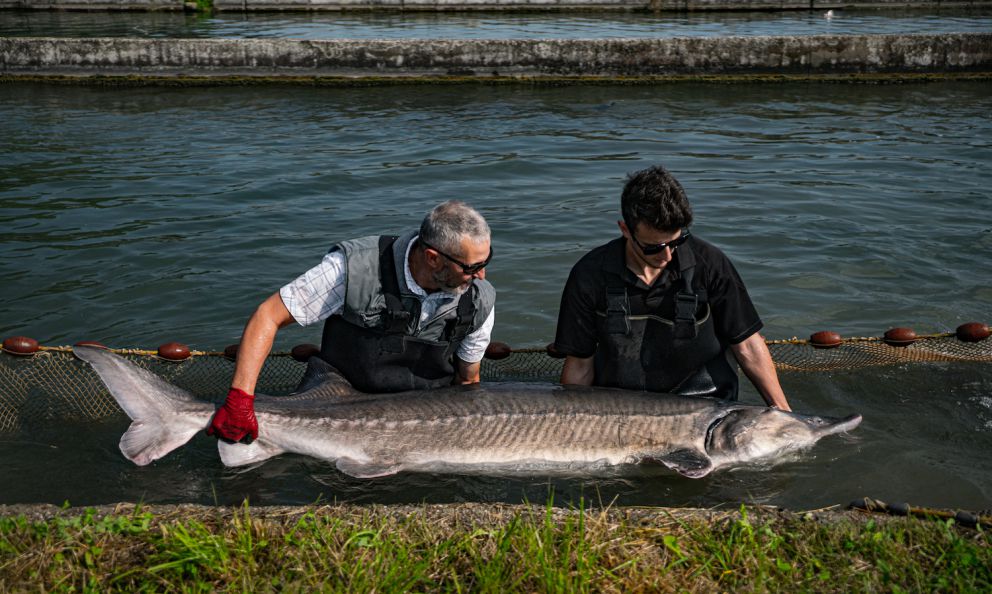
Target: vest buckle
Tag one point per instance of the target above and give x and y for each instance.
(617, 311)
(397, 321)
(685, 315)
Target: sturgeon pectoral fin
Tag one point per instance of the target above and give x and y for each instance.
(690, 463)
(239, 454)
(357, 469)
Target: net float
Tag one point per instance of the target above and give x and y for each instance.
(970, 332)
(498, 350)
(20, 345)
(825, 339)
(899, 509)
(173, 351)
(899, 337)
(966, 518)
(303, 352)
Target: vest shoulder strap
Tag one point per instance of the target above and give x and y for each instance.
(397, 319)
(686, 300)
(617, 306)
(457, 328)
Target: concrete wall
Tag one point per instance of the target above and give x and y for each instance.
(139, 5)
(441, 5)
(807, 55)
(427, 5)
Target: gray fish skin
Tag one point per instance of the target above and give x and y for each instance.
(491, 427)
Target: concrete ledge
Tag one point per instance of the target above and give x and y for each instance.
(825, 55)
(488, 5)
(433, 5)
(135, 5)
(192, 81)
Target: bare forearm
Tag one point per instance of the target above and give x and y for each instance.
(578, 371)
(468, 373)
(256, 342)
(756, 362)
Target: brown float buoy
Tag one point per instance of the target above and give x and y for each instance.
(498, 350)
(173, 351)
(303, 352)
(970, 332)
(231, 351)
(20, 345)
(825, 339)
(553, 351)
(899, 337)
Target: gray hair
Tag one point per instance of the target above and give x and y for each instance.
(444, 226)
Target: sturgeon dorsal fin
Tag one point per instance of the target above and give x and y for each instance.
(687, 462)
(323, 375)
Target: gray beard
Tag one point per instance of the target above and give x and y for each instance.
(443, 279)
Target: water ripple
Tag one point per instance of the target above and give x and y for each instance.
(502, 25)
(134, 217)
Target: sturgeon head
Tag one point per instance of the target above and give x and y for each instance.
(746, 434)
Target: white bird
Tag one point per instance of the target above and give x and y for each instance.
(829, 14)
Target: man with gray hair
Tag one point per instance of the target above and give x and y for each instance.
(400, 313)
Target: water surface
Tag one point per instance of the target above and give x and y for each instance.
(500, 25)
(139, 216)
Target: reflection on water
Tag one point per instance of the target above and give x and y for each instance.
(139, 216)
(501, 25)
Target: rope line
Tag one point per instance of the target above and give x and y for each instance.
(965, 518)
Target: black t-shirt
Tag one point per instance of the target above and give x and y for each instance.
(584, 297)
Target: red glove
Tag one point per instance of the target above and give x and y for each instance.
(235, 421)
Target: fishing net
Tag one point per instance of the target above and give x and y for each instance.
(51, 384)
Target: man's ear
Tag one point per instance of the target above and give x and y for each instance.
(623, 228)
(432, 258)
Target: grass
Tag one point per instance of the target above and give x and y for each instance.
(485, 548)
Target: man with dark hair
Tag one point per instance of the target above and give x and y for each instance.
(400, 313)
(660, 309)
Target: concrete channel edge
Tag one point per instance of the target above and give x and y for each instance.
(963, 55)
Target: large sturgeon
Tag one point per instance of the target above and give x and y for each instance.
(490, 427)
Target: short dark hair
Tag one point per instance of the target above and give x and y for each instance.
(652, 196)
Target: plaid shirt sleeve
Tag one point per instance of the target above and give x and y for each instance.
(319, 292)
(472, 349)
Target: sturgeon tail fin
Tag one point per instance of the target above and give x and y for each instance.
(164, 416)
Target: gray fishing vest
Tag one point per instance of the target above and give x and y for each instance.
(375, 340)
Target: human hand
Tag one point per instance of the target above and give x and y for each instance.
(235, 420)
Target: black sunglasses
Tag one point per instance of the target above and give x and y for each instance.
(651, 249)
(467, 269)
